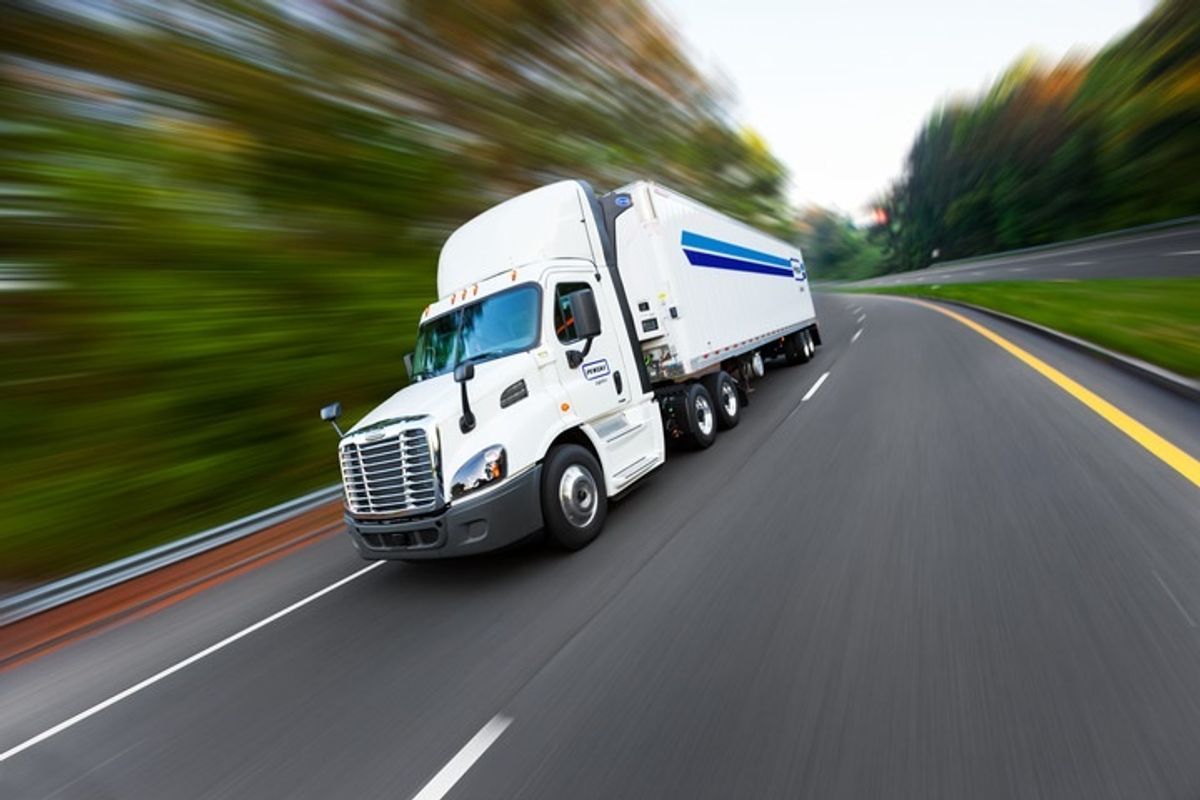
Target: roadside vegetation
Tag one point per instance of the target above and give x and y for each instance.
(835, 248)
(219, 217)
(1155, 320)
(1049, 152)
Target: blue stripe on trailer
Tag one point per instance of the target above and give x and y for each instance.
(698, 259)
(690, 239)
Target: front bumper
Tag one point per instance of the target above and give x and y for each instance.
(474, 525)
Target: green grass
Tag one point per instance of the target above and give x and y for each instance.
(1156, 320)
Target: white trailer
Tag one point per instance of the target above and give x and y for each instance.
(574, 337)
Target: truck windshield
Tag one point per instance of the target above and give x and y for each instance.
(495, 326)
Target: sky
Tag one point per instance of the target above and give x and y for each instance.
(839, 88)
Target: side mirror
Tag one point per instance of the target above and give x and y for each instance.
(408, 364)
(586, 317)
(330, 414)
(462, 374)
(585, 313)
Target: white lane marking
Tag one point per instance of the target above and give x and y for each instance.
(192, 659)
(463, 760)
(814, 388)
(861, 317)
(1185, 253)
(1018, 269)
(1078, 263)
(1174, 599)
(857, 334)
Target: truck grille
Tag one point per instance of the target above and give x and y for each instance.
(391, 475)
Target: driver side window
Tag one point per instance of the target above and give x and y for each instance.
(564, 324)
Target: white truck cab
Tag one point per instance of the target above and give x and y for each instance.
(540, 389)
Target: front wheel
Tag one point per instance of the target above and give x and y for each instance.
(574, 504)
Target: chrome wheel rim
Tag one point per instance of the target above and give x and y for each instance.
(577, 495)
(704, 415)
(729, 399)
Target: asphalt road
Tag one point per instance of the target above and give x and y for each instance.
(1169, 253)
(940, 576)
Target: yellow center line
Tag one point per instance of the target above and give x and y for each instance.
(1165, 451)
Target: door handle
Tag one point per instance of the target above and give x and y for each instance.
(617, 381)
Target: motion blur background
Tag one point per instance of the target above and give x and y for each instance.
(217, 217)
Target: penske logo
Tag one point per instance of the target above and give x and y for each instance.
(595, 370)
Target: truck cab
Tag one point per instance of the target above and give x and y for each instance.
(529, 403)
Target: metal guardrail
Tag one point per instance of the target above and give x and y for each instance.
(1177, 222)
(49, 595)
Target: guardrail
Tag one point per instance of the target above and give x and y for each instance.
(1178, 222)
(49, 595)
(1117, 234)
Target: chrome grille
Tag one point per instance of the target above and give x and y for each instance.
(391, 475)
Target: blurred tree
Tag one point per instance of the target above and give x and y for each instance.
(834, 248)
(1053, 153)
(220, 215)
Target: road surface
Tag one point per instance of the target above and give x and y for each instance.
(1169, 253)
(941, 575)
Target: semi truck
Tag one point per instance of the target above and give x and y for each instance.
(574, 338)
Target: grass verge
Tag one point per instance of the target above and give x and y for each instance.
(1154, 319)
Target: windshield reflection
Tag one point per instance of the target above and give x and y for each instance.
(495, 326)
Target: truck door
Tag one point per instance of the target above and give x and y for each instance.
(601, 384)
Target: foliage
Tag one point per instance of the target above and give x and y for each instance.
(1153, 319)
(835, 248)
(1054, 153)
(220, 216)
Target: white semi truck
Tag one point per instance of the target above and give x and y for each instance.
(575, 335)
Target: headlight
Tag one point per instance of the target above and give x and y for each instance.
(483, 468)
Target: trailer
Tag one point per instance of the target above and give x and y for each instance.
(574, 338)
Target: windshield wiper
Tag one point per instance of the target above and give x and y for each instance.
(489, 354)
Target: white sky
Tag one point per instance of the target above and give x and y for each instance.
(838, 88)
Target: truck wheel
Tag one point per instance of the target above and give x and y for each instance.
(797, 348)
(573, 500)
(728, 403)
(701, 416)
(810, 347)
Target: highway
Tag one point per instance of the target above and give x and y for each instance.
(1168, 253)
(918, 568)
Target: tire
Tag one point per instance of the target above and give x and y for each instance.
(727, 399)
(574, 504)
(810, 346)
(797, 348)
(701, 416)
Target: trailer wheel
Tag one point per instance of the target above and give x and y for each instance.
(728, 401)
(810, 347)
(701, 416)
(795, 351)
(574, 504)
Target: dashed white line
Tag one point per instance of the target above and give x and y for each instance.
(861, 317)
(1185, 253)
(192, 659)
(814, 388)
(463, 760)
(1078, 263)
(857, 334)
(1174, 599)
